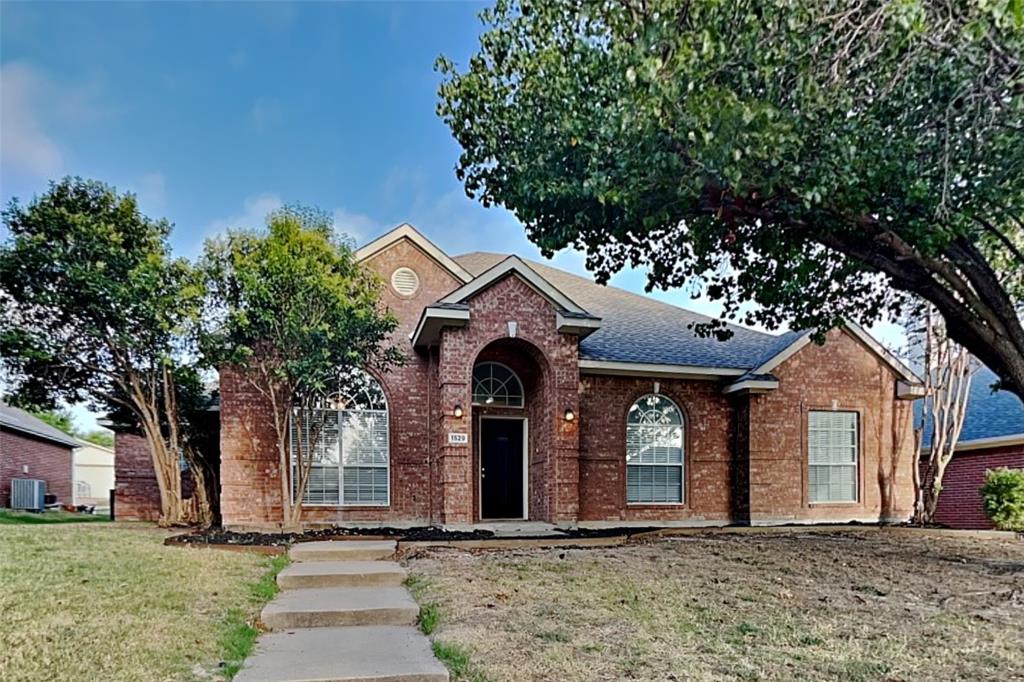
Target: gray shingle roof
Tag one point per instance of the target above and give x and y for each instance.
(640, 329)
(19, 420)
(989, 414)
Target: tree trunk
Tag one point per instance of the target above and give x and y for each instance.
(947, 386)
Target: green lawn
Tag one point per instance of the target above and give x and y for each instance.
(110, 602)
(10, 518)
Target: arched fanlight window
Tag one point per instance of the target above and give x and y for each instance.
(349, 430)
(495, 384)
(654, 451)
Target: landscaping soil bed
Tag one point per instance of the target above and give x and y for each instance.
(221, 537)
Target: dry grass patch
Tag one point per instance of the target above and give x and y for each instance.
(857, 605)
(103, 602)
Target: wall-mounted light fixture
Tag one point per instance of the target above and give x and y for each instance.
(569, 415)
(457, 412)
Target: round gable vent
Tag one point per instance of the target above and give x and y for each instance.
(405, 281)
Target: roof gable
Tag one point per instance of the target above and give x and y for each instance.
(410, 233)
(790, 344)
(514, 266)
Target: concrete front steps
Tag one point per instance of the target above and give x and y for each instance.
(342, 616)
(339, 550)
(341, 574)
(331, 606)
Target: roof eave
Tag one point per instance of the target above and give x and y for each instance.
(432, 320)
(581, 326)
(751, 386)
(657, 370)
(909, 391)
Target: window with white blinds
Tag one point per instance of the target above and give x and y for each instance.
(654, 451)
(832, 446)
(349, 435)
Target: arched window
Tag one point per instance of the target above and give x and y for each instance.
(349, 431)
(654, 451)
(495, 384)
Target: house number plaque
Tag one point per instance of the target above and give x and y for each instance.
(458, 439)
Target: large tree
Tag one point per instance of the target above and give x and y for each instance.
(806, 161)
(94, 310)
(296, 314)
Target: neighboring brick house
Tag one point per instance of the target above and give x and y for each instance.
(31, 448)
(992, 437)
(532, 393)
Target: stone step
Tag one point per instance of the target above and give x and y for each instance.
(334, 606)
(342, 550)
(309, 574)
(368, 653)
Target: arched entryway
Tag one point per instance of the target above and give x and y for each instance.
(510, 420)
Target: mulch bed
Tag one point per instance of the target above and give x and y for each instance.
(221, 537)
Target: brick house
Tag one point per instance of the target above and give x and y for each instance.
(31, 448)
(531, 393)
(992, 437)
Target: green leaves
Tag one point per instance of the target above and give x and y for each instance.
(92, 294)
(294, 301)
(788, 140)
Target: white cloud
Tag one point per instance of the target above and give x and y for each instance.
(33, 104)
(252, 216)
(27, 149)
(356, 226)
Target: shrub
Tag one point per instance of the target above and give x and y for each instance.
(1003, 497)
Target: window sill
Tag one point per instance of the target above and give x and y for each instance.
(851, 503)
(655, 505)
(307, 505)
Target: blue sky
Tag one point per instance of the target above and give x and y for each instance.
(216, 113)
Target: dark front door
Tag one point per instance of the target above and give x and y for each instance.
(501, 468)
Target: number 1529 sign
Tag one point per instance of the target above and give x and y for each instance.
(458, 439)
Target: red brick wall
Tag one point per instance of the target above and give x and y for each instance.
(746, 457)
(45, 459)
(136, 492)
(250, 488)
(538, 348)
(604, 402)
(843, 375)
(960, 500)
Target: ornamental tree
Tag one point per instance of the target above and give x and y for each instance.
(809, 161)
(94, 309)
(296, 314)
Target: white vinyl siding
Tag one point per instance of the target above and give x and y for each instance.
(832, 446)
(351, 455)
(654, 452)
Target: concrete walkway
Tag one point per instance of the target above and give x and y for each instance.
(342, 615)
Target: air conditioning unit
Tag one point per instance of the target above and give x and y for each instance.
(28, 493)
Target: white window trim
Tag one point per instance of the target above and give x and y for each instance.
(342, 504)
(472, 387)
(681, 464)
(856, 462)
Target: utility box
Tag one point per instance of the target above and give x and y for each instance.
(28, 493)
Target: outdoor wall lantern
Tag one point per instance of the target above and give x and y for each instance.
(569, 415)
(457, 412)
